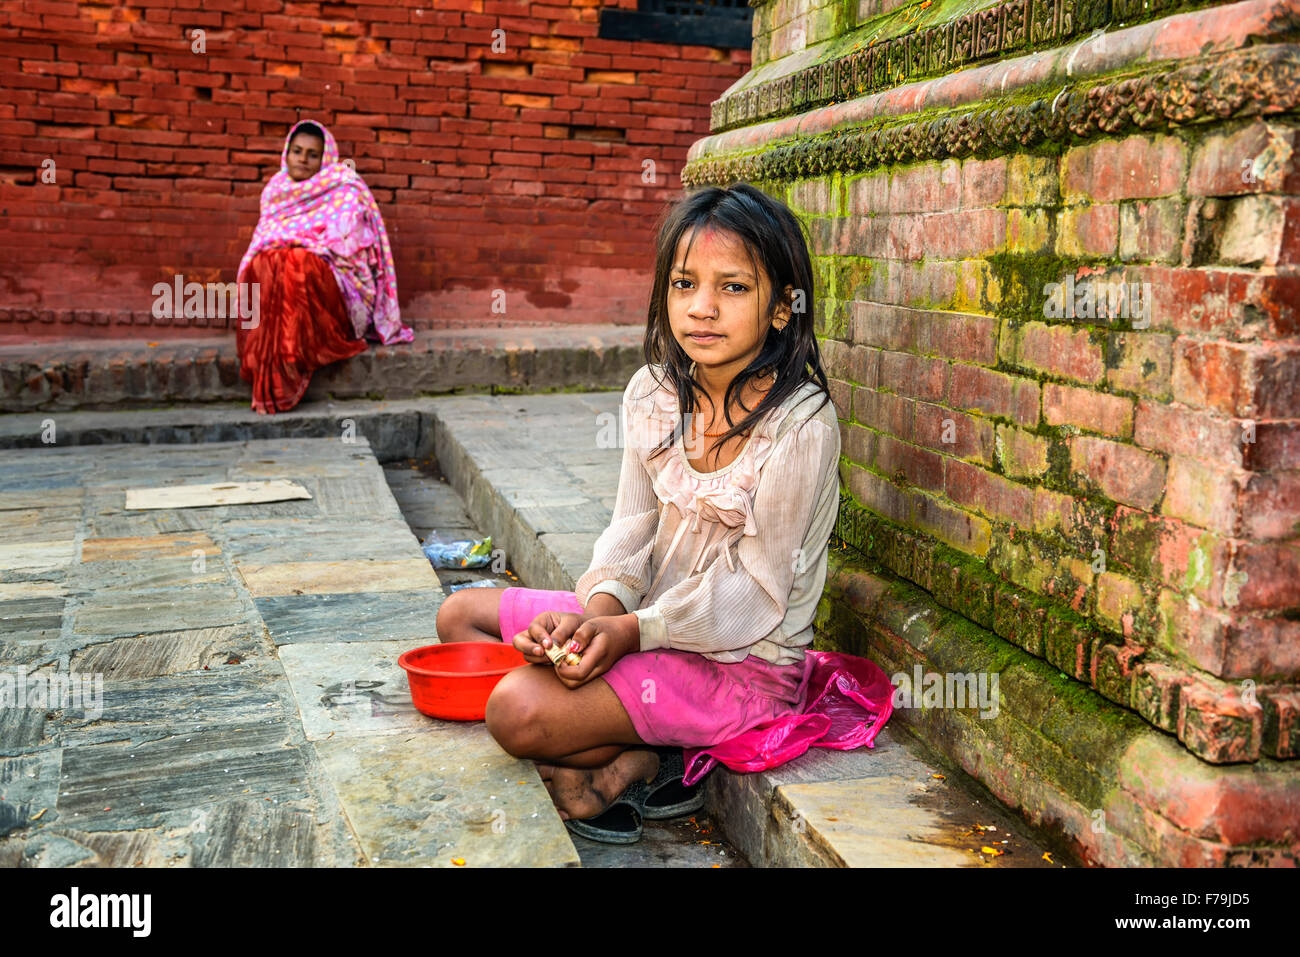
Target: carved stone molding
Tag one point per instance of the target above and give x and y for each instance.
(1007, 29)
(1259, 80)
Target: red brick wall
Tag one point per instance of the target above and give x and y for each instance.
(519, 171)
(1142, 471)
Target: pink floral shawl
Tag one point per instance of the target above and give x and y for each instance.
(333, 215)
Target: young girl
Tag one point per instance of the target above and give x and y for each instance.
(323, 268)
(693, 618)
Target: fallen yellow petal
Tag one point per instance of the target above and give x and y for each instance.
(1047, 856)
(993, 851)
(458, 861)
(37, 815)
(939, 776)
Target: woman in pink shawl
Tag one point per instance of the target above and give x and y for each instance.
(323, 269)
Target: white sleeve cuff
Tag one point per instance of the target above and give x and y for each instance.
(626, 596)
(654, 632)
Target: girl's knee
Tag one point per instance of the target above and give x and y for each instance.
(511, 716)
(453, 618)
(467, 616)
(444, 623)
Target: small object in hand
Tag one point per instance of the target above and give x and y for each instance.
(558, 655)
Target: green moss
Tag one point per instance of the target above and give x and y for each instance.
(978, 648)
(1198, 564)
(1023, 277)
(1058, 464)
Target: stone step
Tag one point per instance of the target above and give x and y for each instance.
(124, 373)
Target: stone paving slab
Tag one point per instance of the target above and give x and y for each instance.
(520, 487)
(831, 817)
(277, 541)
(169, 653)
(15, 591)
(37, 555)
(110, 787)
(195, 752)
(108, 615)
(151, 574)
(154, 546)
(337, 577)
(42, 498)
(438, 798)
(362, 617)
(345, 688)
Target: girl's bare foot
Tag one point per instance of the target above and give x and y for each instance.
(586, 792)
(546, 771)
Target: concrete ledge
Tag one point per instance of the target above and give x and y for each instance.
(98, 374)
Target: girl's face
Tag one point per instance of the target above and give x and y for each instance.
(305, 151)
(716, 303)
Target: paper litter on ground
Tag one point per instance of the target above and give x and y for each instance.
(215, 493)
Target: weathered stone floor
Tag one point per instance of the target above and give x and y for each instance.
(252, 710)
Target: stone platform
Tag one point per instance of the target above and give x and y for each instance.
(898, 804)
(250, 711)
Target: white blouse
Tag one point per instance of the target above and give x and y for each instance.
(737, 565)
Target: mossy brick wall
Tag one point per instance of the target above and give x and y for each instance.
(519, 170)
(1117, 493)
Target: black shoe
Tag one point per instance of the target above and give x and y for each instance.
(620, 823)
(667, 796)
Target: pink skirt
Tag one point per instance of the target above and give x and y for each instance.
(678, 698)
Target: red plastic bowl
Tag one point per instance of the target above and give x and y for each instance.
(453, 681)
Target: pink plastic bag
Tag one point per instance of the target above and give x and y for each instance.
(849, 701)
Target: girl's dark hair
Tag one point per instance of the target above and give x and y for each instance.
(772, 234)
(311, 129)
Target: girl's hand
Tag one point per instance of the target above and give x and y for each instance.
(600, 641)
(547, 628)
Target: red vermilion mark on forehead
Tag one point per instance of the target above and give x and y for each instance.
(711, 242)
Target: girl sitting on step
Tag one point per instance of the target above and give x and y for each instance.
(324, 273)
(693, 618)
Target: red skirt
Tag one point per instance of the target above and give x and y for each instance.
(302, 325)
